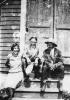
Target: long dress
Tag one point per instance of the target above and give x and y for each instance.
(15, 74)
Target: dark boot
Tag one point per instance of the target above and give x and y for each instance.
(65, 96)
(10, 92)
(3, 94)
(27, 82)
(6, 94)
(43, 87)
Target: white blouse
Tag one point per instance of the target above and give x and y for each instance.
(15, 63)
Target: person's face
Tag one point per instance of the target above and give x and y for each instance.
(50, 45)
(33, 44)
(16, 50)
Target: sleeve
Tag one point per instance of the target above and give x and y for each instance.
(60, 56)
(24, 52)
(7, 61)
(25, 55)
(37, 53)
(45, 55)
(60, 59)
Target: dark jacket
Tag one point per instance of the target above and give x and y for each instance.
(57, 56)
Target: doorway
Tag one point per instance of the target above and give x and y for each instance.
(49, 19)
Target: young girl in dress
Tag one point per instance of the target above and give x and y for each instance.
(15, 74)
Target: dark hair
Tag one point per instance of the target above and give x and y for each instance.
(14, 45)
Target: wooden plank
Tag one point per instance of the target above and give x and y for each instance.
(4, 70)
(12, 2)
(3, 61)
(3, 57)
(7, 40)
(27, 98)
(6, 35)
(13, 23)
(5, 45)
(10, 22)
(9, 13)
(22, 25)
(9, 30)
(4, 53)
(10, 18)
(36, 96)
(10, 27)
(9, 10)
(12, 6)
(5, 48)
(2, 12)
(2, 66)
(15, 2)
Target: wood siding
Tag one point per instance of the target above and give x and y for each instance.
(9, 23)
(42, 20)
(50, 18)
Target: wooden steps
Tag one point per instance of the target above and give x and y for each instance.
(34, 90)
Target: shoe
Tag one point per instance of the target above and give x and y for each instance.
(48, 84)
(42, 93)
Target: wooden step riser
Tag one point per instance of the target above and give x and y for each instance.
(36, 87)
(37, 95)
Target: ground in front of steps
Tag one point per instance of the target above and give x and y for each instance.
(33, 99)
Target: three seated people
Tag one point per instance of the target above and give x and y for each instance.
(22, 65)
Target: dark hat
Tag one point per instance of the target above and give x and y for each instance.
(33, 39)
(51, 41)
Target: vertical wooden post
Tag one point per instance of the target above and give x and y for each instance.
(22, 25)
(53, 17)
(54, 20)
(0, 31)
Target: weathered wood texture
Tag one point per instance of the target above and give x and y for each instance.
(41, 16)
(48, 18)
(9, 25)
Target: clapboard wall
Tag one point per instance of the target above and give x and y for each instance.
(41, 19)
(9, 24)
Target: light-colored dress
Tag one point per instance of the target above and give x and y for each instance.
(15, 74)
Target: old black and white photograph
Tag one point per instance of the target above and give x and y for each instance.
(34, 49)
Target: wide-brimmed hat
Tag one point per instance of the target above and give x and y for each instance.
(51, 41)
(33, 39)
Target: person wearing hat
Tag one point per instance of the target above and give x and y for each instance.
(52, 62)
(32, 58)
